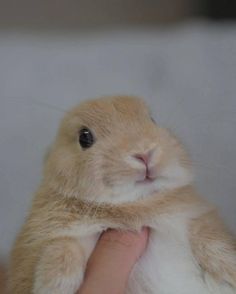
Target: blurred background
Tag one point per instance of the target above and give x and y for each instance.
(80, 14)
(180, 55)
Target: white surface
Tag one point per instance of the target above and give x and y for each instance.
(186, 74)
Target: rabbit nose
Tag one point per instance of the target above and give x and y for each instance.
(143, 158)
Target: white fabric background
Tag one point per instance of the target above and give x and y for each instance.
(187, 75)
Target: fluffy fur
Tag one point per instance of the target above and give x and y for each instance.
(84, 192)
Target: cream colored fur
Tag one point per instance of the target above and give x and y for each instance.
(84, 192)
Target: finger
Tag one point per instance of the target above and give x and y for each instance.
(112, 260)
(127, 244)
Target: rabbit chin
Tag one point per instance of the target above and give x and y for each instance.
(173, 176)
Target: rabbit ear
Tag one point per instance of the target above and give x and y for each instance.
(214, 248)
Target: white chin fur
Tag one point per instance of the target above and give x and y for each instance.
(173, 176)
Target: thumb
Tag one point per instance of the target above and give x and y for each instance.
(110, 264)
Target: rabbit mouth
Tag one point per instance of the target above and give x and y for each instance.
(147, 176)
(146, 180)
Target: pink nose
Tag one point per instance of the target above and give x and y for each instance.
(149, 173)
(143, 158)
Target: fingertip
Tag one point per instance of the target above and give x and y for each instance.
(133, 243)
(115, 249)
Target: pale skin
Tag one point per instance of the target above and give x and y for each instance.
(112, 260)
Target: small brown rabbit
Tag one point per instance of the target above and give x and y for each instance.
(111, 166)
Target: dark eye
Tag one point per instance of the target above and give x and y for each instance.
(86, 138)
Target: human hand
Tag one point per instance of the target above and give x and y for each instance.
(112, 260)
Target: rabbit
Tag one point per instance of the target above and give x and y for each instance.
(112, 166)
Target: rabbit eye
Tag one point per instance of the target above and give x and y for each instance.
(86, 138)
